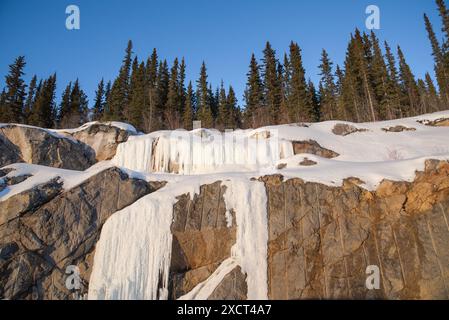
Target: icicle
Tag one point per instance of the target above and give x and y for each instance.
(201, 151)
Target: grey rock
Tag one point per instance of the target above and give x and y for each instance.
(38, 146)
(103, 139)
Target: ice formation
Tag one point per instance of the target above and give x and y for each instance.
(133, 254)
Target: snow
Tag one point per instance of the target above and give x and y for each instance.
(120, 125)
(249, 201)
(42, 174)
(203, 290)
(52, 132)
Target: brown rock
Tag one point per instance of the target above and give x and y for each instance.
(313, 147)
(201, 238)
(307, 162)
(321, 238)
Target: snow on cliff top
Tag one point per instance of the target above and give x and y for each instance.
(120, 125)
(374, 151)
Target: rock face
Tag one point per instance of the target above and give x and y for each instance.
(38, 146)
(42, 238)
(321, 239)
(9, 153)
(232, 287)
(201, 239)
(103, 139)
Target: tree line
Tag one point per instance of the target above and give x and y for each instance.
(374, 83)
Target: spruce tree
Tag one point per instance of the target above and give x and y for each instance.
(328, 90)
(188, 114)
(64, 106)
(409, 87)
(350, 100)
(163, 80)
(235, 118)
(172, 107)
(441, 71)
(223, 111)
(394, 90)
(31, 97)
(119, 97)
(433, 100)
(203, 96)
(75, 113)
(272, 86)
(99, 102)
(15, 92)
(314, 102)
(151, 93)
(44, 110)
(379, 76)
(298, 101)
(363, 60)
(137, 96)
(181, 87)
(253, 95)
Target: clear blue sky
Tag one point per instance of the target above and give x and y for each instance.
(223, 33)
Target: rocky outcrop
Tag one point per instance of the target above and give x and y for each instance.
(321, 238)
(102, 138)
(443, 122)
(312, 147)
(344, 129)
(307, 162)
(42, 238)
(202, 238)
(38, 146)
(398, 128)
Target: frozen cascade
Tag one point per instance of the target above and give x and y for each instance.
(135, 154)
(200, 151)
(249, 202)
(133, 254)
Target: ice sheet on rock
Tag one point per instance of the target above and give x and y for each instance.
(132, 257)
